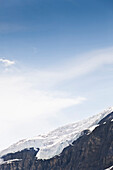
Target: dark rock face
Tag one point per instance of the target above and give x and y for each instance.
(89, 152)
(24, 154)
(107, 118)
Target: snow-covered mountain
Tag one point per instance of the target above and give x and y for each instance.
(54, 142)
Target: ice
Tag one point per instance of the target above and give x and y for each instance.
(54, 142)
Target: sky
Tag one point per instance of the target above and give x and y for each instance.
(56, 64)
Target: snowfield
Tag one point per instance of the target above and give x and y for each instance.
(54, 142)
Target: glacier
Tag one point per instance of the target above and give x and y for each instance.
(55, 141)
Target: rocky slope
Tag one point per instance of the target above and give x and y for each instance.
(91, 149)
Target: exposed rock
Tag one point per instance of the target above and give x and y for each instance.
(89, 152)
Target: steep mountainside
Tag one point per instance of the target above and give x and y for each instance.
(80, 146)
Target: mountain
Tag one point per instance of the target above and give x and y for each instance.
(84, 145)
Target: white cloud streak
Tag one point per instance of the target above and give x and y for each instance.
(89, 62)
(7, 62)
(86, 64)
(83, 65)
(22, 101)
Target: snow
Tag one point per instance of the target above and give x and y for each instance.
(54, 142)
(93, 127)
(10, 161)
(111, 120)
(109, 168)
(1, 161)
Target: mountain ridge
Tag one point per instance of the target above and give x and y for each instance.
(54, 142)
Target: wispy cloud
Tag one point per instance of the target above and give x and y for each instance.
(33, 87)
(32, 93)
(7, 62)
(88, 63)
(80, 66)
(22, 100)
(85, 64)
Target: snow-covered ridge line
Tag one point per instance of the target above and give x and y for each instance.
(54, 142)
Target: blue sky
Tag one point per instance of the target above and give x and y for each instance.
(45, 32)
(56, 64)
